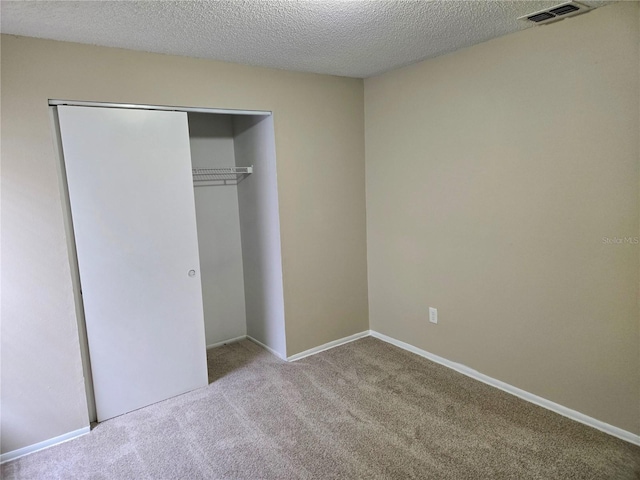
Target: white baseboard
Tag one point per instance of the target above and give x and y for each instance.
(226, 342)
(327, 346)
(523, 394)
(21, 452)
(267, 348)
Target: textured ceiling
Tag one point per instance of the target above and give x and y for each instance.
(349, 38)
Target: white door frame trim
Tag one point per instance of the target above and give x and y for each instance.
(226, 111)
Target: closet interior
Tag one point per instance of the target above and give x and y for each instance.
(234, 177)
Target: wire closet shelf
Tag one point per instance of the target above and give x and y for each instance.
(220, 175)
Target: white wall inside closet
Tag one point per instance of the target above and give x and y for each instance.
(212, 145)
(254, 143)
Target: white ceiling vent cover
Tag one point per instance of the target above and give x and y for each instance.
(555, 13)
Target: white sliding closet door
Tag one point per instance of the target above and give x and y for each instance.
(132, 203)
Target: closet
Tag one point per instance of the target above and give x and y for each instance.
(175, 228)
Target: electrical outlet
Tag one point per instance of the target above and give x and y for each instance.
(433, 315)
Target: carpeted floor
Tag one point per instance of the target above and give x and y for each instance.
(365, 410)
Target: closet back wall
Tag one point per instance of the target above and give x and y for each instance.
(320, 152)
(219, 244)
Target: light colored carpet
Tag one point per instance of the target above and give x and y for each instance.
(363, 410)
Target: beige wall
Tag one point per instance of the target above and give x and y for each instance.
(493, 174)
(320, 152)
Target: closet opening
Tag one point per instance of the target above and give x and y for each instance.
(173, 227)
(234, 177)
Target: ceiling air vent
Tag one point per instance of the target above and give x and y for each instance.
(564, 9)
(555, 13)
(541, 17)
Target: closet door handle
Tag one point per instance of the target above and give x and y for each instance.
(192, 273)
